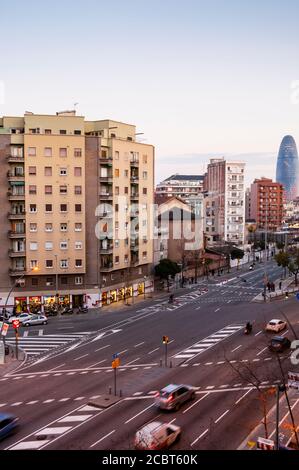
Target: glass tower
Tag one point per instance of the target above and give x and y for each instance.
(287, 167)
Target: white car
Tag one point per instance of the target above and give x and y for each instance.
(156, 436)
(22, 317)
(35, 320)
(276, 325)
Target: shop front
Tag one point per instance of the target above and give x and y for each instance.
(141, 288)
(78, 300)
(20, 305)
(35, 304)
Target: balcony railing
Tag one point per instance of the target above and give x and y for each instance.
(106, 195)
(15, 197)
(15, 159)
(16, 234)
(134, 195)
(134, 162)
(16, 254)
(15, 216)
(106, 160)
(134, 261)
(106, 250)
(15, 271)
(107, 267)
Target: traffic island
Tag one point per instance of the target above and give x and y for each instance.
(104, 401)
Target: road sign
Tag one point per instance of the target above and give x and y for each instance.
(4, 330)
(115, 356)
(293, 380)
(16, 323)
(116, 363)
(265, 444)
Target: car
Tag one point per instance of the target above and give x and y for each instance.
(276, 325)
(8, 424)
(156, 436)
(279, 344)
(22, 317)
(35, 320)
(174, 396)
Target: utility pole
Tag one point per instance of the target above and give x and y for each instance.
(266, 240)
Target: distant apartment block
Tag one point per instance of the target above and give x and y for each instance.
(189, 188)
(266, 206)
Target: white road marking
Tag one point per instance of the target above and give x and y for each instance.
(29, 445)
(285, 333)
(40, 332)
(142, 411)
(222, 416)
(258, 333)
(198, 308)
(195, 403)
(64, 399)
(153, 351)
(217, 309)
(25, 334)
(210, 387)
(238, 347)
(131, 362)
(139, 344)
(262, 351)
(221, 362)
(31, 402)
(50, 370)
(103, 347)
(80, 357)
(102, 438)
(72, 419)
(199, 437)
(100, 362)
(79, 398)
(49, 401)
(243, 396)
(136, 394)
(17, 403)
(53, 431)
(124, 351)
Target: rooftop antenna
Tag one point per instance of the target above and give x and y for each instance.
(75, 106)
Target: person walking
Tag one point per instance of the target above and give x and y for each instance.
(280, 284)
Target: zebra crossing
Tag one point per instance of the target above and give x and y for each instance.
(203, 345)
(36, 345)
(178, 301)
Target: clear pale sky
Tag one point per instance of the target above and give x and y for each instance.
(199, 77)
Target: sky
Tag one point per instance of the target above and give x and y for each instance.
(200, 78)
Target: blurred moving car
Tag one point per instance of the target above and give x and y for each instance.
(35, 320)
(276, 325)
(174, 396)
(156, 436)
(8, 424)
(22, 317)
(279, 344)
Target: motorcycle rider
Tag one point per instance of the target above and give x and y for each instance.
(248, 327)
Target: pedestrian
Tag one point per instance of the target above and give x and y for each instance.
(268, 286)
(280, 284)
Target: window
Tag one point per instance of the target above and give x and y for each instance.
(78, 245)
(63, 280)
(126, 190)
(144, 175)
(33, 246)
(32, 170)
(32, 151)
(63, 227)
(32, 208)
(116, 259)
(77, 132)
(63, 152)
(48, 171)
(48, 189)
(144, 191)
(49, 263)
(144, 158)
(33, 263)
(78, 227)
(78, 171)
(116, 207)
(78, 280)
(63, 189)
(78, 189)
(48, 208)
(116, 224)
(116, 155)
(62, 132)
(63, 245)
(78, 208)
(32, 189)
(48, 152)
(63, 171)
(49, 227)
(78, 263)
(49, 281)
(33, 227)
(77, 152)
(116, 173)
(49, 246)
(63, 207)
(48, 131)
(126, 173)
(116, 188)
(144, 254)
(126, 258)
(116, 243)
(64, 263)
(34, 281)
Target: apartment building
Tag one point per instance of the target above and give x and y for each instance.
(266, 206)
(189, 188)
(67, 185)
(224, 202)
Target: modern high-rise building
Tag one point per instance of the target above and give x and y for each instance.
(224, 202)
(266, 204)
(75, 197)
(287, 167)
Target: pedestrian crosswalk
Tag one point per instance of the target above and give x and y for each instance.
(36, 345)
(203, 345)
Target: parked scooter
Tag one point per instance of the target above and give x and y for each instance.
(82, 309)
(67, 311)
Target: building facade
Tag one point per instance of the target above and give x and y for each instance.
(76, 197)
(287, 167)
(224, 202)
(267, 204)
(189, 188)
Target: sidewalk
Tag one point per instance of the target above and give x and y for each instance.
(286, 434)
(11, 364)
(285, 287)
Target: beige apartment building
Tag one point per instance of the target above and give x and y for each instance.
(75, 203)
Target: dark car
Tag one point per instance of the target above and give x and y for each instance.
(279, 344)
(8, 424)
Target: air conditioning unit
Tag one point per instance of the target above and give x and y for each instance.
(21, 283)
(48, 284)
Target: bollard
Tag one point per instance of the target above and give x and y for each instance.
(110, 390)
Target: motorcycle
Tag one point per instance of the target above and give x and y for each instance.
(248, 330)
(82, 310)
(67, 311)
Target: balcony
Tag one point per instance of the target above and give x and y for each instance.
(15, 197)
(134, 196)
(16, 234)
(134, 261)
(14, 216)
(17, 272)
(134, 163)
(134, 213)
(105, 268)
(134, 178)
(134, 246)
(15, 159)
(106, 196)
(106, 179)
(106, 250)
(106, 160)
(11, 176)
(16, 254)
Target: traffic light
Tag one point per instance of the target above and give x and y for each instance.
(286, 295)
(16, 324)
(165, 340)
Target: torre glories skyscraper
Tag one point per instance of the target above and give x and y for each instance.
(287, 167)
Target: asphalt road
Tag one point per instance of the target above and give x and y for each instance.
(207, 349)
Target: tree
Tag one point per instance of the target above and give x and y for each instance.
(283, 259)
(167, 268)
(280, 245)
(293, 264)
(238, 254)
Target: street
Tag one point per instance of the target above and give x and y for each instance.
(69, 366)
